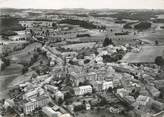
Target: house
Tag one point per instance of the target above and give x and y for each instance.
(82, 90)
(32, 104)
(65, 115)
(142, 101)
(102, 85)
(99, 60)
(106, 85)
(91, 76)
(116, 82)
(157, 106)
(97, 86)
(70, 108)
(153, 91)
(51, 88)
(9, 103)
(75, 68)
(50, 112)
(82, 76)
(87, 106)
(33, 93)
(59, 95)
(76, 78)
(101, 74)
(123, 92)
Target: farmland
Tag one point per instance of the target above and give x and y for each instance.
(25, 54)
(146, 55)
(7, 76)
(79, 46)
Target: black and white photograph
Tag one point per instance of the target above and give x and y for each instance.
(81, 58)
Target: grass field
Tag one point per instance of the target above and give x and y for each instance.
(79, 46)
(146, 55)
(22, 55)
(155, 33)
(7, 76)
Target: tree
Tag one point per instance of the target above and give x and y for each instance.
(60, 101)
(47, 32)
(86, 61)
(159, 61)
(68, 95)
(143, 26)
(31, 32)
(111, 30)
(107, 42)
(107, 58)
(25, 69)
(103, 101)
(6, 62)
(156, 42)
(54, 25)
(79, 108)
(41, 62)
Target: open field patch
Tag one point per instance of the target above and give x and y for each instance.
(146, 55)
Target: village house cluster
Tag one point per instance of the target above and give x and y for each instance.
(73, 71)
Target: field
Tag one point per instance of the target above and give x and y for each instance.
(7, 76)
(152, 36)
(22, 55)
(20, 79)
(79, 46)
(9, 24)
(161, 16)
(146, 55)
(101, 113)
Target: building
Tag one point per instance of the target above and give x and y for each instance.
(106, 85)
(87, 106)
(59, 95)
(91, 77)
(83, 90)
(153, 91)
(76, 78)
(116, 82)
(51, 88)
(102, 85)
(34, 103)
(50, 112)
(123, 92)
(101, 74)
(1, 64)
(33, 93)
(9, 103)
(142, 102)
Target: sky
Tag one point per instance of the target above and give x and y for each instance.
(88, 4)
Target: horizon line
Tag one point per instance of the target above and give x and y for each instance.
(84, 8)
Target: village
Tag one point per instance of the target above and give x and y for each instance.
(70, 65)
